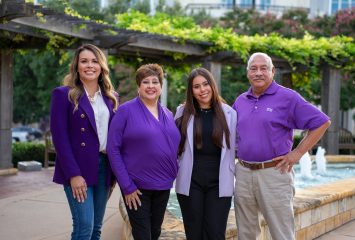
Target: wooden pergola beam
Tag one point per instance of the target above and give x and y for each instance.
(50, 24)
(13, 9)
(13, 27)
(167, 45)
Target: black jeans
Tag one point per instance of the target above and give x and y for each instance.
(146, 221)
(204, 213)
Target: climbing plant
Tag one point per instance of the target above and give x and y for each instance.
(338, 51)
(308, 50)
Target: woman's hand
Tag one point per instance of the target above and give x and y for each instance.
(133, 199)
(79, 188)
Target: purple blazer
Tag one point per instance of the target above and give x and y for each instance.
(75, 139)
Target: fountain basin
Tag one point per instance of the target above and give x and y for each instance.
(334, 172)
(323, 208)
(318, 210)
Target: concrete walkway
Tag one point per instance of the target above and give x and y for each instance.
(34, 208)
(345, 232)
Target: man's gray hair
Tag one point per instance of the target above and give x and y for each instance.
(268, 59)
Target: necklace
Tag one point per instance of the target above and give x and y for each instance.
(91, 99)
(206, 110)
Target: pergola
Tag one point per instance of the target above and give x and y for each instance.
(25, 26)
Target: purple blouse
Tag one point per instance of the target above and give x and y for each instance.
(142, 150)
(265, 124)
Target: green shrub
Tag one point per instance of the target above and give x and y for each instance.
(26, 151)
(296, 140)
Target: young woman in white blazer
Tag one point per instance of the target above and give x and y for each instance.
(205, 181)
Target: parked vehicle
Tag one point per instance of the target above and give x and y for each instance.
(25, 134)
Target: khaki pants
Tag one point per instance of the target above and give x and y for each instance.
(268, 192)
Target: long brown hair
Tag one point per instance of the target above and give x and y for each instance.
(72, 79)
(190, 109)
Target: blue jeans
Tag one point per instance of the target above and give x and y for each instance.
(88, 215)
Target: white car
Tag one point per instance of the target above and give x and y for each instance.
(25, 134)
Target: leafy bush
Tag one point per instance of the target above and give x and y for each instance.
(296, 140)
(25, 151)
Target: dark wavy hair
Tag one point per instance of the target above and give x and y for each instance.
(220, 126)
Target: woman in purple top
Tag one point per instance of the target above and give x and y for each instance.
(80, 114)
(142, 148)
(205, 180)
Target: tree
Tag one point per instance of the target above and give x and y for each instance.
(35, 74)
(233, 82)
(292, 23)
(295, 24)
(347, 100)
(204, 19)
(92, 9)
(345, 22)
(174, 10)
(142, 6)
(115, 7)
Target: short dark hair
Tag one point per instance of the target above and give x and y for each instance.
(147, 70)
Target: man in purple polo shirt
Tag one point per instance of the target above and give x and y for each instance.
(267, 115)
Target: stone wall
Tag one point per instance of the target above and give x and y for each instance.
(323, 208)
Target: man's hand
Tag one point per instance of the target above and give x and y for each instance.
(311, 138)
(287, 161)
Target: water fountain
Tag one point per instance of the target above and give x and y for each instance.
(321, 161)
(306, 166)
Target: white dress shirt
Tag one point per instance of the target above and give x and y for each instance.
(102, 116)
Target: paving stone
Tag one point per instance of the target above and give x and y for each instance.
(29, 166)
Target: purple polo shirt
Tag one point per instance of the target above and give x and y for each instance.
(265, 124)
(142, 150)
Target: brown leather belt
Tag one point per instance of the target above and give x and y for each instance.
(257, 166)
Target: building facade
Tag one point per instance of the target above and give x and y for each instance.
(217, 8)
(329, 7)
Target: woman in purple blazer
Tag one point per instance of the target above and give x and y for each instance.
(80, 114)
(142, 148)
(205, 180)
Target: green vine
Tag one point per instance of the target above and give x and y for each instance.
(338, 51)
